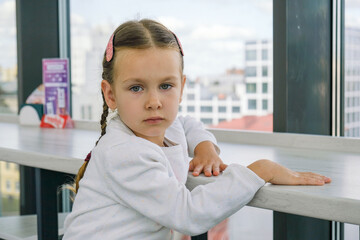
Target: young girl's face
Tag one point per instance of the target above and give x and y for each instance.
(147, 90)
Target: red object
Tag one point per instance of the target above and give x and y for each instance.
(56, 121)
(253, 123)
(88, 157)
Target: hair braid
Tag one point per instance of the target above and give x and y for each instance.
(103, 131)
(103, 122)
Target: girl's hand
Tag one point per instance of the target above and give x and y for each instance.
(278, 174)
(206, 160)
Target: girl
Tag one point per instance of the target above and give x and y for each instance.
(133, 187)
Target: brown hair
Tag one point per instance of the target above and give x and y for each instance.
(141, 34)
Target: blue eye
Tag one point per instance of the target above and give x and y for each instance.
(165, 86)
(136, 88)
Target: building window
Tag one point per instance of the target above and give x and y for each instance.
(191, 96)
(222, 120)
(264, 88)
(250, 55)
(251, 88)
(7, 166)
(252, 104)
(8, 185)
(264, 71)
(17, 186)
(235, 109)
(180, 108)
(190, 108)
(264, 104)
(222, 109)
(206, 121)
(264, 54)
(90, 111)
(250, 72)
(206, 109)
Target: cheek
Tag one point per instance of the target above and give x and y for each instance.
(127, 108)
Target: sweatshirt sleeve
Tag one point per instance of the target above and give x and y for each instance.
(196, 133)
(141, 180)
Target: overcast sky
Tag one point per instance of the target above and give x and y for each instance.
(212, 32)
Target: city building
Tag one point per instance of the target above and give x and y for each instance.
(233, 95)
(352, 82)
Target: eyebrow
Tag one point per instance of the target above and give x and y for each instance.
(139, 80)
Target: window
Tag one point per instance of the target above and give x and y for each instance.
(191, 96)
(264, 104)
(264, 54)
(250, 72)
(235, 109)
(207, 121)
(190, 108)
(206, 109)
(251, 88)
(250, 55)
(17, 186)
(8, 185)
(264, 71)
(212, 45)
(352, 84)
(352, 72)
(222, 109)
(8, 58)
(252, 104)
(264, 88)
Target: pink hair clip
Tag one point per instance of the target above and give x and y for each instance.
(110, 49)
(179, 44)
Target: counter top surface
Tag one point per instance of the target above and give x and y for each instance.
(64, 150)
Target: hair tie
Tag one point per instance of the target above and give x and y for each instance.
(110, 49)
(178, 43)
(88, 157)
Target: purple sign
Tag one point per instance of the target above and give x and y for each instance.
(56, 83)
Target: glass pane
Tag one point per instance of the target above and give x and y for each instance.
(352, 69)
(222, 54)
(226, 48)
(9, 189)
(352, 84)
(8, 58)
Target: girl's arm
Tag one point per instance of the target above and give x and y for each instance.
(203, 146)
(140, 177)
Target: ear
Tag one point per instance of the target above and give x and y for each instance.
(109, 94)
(183, 81)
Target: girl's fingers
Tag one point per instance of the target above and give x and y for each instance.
(223, 167)
(191, 166)
(207, 170)
(316, 176)
(216, 170)
(197, 170)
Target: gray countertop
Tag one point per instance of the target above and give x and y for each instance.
(64, 151)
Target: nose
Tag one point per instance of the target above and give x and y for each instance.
(153, 101)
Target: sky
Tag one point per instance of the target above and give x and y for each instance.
(212, 32)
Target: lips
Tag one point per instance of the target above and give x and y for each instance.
(154, 120)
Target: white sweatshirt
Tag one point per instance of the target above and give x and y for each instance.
(134, 189)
